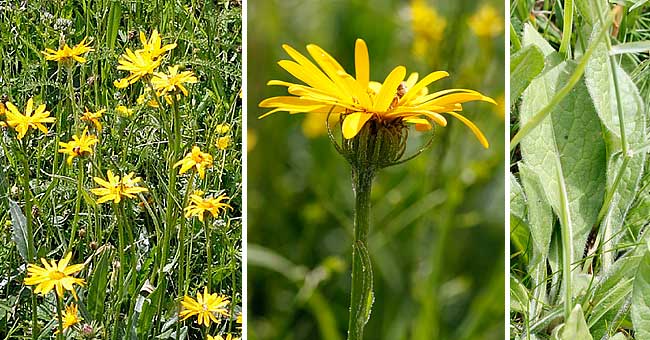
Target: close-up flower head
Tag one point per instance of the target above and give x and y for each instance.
(34, 119)
(54, 275)
(328, 88)
(67, 53)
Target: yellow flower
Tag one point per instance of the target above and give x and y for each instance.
(428, 27)
(222, 128)
(219, 337)
(172, 82)
(196, 159)
(71, 316)
(66, 53)
(93, 117)
(486, 22)
(115, 189)
(223, 142)
(239, 320)
(78, 146)
(206, 307)
(199, 205)
(54, 276)
(394, 102)
(124, 111)
(21, 123)
(153, 46)
(139, 64)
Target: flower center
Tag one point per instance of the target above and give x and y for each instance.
(56, 275)
(205, 307)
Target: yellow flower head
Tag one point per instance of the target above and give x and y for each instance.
(153, 46)
(394, 102)
(142, 62)
(66, 53)
(199, 205)
(239, 320)
(223, 142)
(172, 82)
(222, 128)
(57, 276)
(124, 111)
(115, 189)
(486, 22)
(139, 64)
(21, 123)
(78, 146)
(71, 316)
(207, 307)
(196, 159)
(93, 117)
(428, 27)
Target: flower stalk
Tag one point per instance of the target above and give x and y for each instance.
(361, 297)
(59, 316)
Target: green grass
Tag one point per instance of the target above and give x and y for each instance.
(436, 234)
(157, 248)
(579, 178)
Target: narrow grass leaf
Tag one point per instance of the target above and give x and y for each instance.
(631, 47)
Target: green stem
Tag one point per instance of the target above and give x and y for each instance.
(73, 107)
(31, 251)
(361, 292)
(181, 250)
(77, 207)
(208, 250)
(59, 316)
(567, 28)
(567, 242)
(120, 272)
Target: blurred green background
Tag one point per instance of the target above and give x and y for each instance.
(437, 230)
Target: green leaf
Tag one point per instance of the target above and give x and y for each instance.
(19, 230)
(576, 326)
(518, 296)
(525, 65)
(600, 83)
(114, 17)
(640, 311)
(517, 199)
(540, 214)
(588, 9)
(532, 38)
(97, 287)
(572, 133)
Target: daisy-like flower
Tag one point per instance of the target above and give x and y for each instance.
(153, 46)
(78, 146)
(223, 142)
(391, 103)
(222, 128)
(428, 27)
(239, 320)
(115, 189)
(71, 316)
(21, 123)
(124, 111)
(173, 82)
(57, 276)
(139, 64)
(207, 307)
(196, 159)
(486, 22)
(94, 118)
(66, 53)
(199, 205)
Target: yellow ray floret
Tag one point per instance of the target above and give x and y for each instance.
(71, 316)
(94, 118)
(207, 307)
(398, 99)
(115, 188)
(172, 82)
(57, 276)
(34, 119)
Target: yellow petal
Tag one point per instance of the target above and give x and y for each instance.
(389, 88)
(430, 78)
(353, 123)
(477, 132)
(362, 63)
